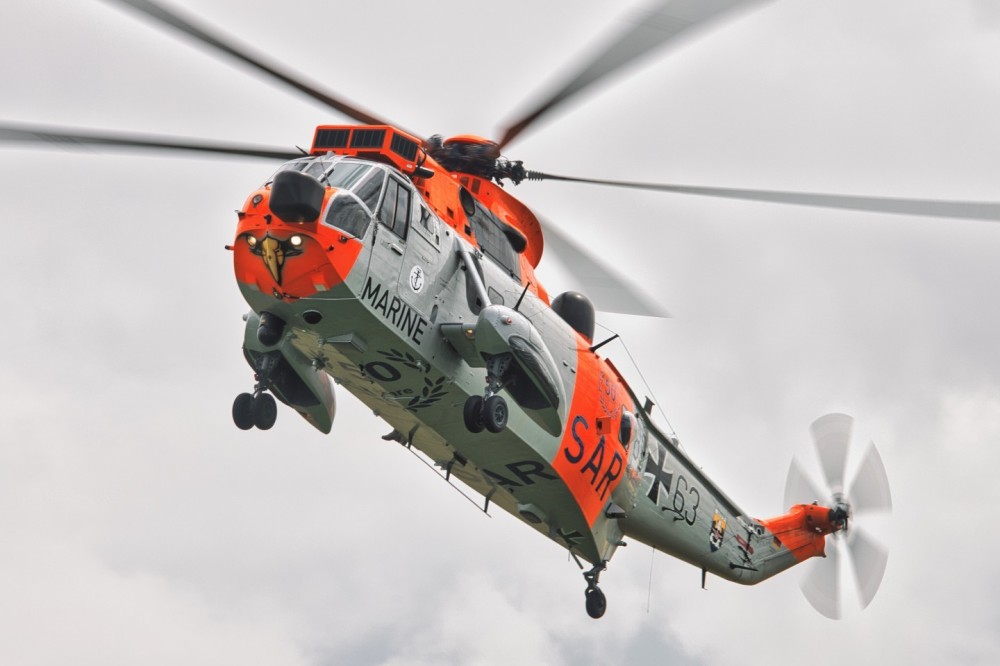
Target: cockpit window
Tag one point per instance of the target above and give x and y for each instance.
(332, 170)
(370, 188)
(314, 166)
(360, 185)
(346, 174)
(347, 213)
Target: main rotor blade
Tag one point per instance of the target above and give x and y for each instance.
(201, 34)
(968, 210)
(821, 586)
(799, 488)
(608, 289)
(868, 560)
(63, 138)
(870, 489)
(654, 26)
(832, 437)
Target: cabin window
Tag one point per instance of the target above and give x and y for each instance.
(488, 231)
(395, 209)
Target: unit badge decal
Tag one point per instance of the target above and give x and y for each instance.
(718, 531)
(417, 279)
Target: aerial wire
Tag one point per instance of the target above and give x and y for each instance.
(643, 378)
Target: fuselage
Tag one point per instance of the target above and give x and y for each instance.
(397, 290)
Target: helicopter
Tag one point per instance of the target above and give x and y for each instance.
(528, 401)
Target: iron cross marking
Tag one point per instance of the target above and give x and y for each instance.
(656, 467)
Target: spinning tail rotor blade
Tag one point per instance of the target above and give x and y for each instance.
(868, 560)
(821, 586)
(869, 492)
(870, 489)
(165, 16)
(832, 438)
(799, 489)
(64, 137)
(657, 25)
(609, 290)
(965, 210)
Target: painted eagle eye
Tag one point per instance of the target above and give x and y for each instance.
(296, 241)
(251, 241)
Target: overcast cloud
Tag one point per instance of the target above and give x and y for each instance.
(138, 525)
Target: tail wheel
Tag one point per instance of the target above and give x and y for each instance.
(495, 413)
(472, 413)
(264, 411)
(242, 411)
(596, 602)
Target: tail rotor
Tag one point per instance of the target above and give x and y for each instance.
(867, 494)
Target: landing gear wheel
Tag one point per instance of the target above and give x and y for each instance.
(472, 413)
(596, 602)
(242, 411)
(495, 413)
(264, 411)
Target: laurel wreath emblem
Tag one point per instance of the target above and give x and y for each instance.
(431, 393)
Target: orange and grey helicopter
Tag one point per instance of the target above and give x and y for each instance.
(402, 269)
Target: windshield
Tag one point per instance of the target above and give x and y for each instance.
(330, 170)
(351, 209)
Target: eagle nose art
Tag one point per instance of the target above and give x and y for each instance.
(274, 252)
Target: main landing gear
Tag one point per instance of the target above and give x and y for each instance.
(255, 409)
(596, 601)
(258, 408)
(489, 411)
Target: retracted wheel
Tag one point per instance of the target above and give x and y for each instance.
(495, 413)
(242, 415)
(473, 413)
(264, 410)
(596, 602)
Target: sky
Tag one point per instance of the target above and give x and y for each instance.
(138, 525)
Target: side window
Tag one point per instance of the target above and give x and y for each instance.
(395, 210)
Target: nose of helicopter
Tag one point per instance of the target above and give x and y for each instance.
(288, 259)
